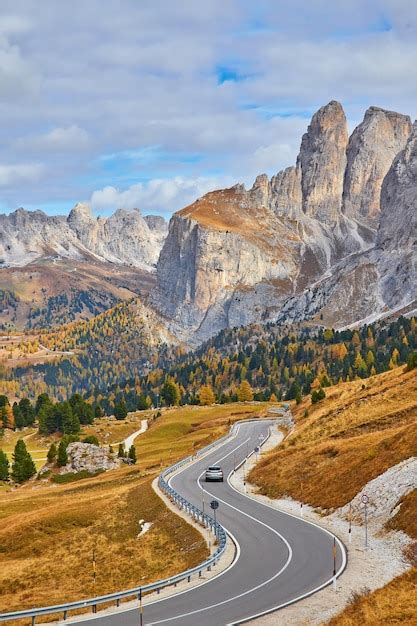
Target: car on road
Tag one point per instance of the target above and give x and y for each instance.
(214, 473)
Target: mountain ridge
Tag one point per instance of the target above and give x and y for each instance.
(315, 241)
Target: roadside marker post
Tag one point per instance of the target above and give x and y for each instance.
(365, 501)
(334, 564)
(94, 566)
(301, 503)
(140, 608)
(350, 522)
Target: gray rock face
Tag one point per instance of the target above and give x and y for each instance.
(286, 193)
(285, 250)
(397, 235)
(372, 148)
(90, 458)
(322, 162)
(123, 238)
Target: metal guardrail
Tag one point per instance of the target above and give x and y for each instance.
(138, 592)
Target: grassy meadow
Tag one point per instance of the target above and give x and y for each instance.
(48, 531)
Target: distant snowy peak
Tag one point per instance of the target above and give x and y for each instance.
(125, 237)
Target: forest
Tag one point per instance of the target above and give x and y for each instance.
(115, 363)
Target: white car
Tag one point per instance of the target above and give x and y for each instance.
(214, 473)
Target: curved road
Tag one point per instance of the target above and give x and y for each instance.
(279, 557)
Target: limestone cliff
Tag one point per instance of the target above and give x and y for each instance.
(372, 148)
(322, 163)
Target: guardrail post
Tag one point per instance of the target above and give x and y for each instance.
(33, 620)
(65, 615)
(94, 608)
(118, 602)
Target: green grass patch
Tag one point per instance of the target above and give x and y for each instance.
(63, 479)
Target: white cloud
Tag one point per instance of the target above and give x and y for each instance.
(18, 77)
(57, 140)
(157, 195)
(119, 83)
(25, 172)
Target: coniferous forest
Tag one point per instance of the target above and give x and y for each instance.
(256, 362)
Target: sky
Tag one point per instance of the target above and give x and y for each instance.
(150, 104)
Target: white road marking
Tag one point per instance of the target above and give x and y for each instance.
(257, 587)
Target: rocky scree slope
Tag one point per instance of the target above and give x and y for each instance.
(299, 245)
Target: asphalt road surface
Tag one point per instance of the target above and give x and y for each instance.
(279, 557)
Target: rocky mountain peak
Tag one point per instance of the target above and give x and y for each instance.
(286, 194)
(322, 163)
(372, 148)
(260, 190)
(156, 223)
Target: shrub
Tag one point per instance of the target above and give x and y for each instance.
(62, 479)
(91, 439)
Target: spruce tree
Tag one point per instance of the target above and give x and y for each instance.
(122, 452)
(132, 454)
(23, 466)
(4, 466)
(52, 452)
(120, 410)
(62, 458)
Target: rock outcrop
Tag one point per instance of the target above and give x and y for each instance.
(235, 256)
(372, 148)
(322, 162)
(396, 243)
(90, 458)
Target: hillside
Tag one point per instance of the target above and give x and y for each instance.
(358, 432)
(288, 361)
(49, 530)
(101, 352)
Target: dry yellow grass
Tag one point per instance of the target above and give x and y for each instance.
(179, 431)
(360, 430)
(36, 444)
(48, 532)
(112, 431)
(396, 603)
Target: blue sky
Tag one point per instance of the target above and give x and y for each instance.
(150, 104)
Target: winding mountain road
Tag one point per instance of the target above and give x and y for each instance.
(279, 558)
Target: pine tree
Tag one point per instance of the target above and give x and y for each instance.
(4, 466)
(120, 410)
(52, 452)
(132, 454)
(121, 452)
(62, 457)
(23, 466)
